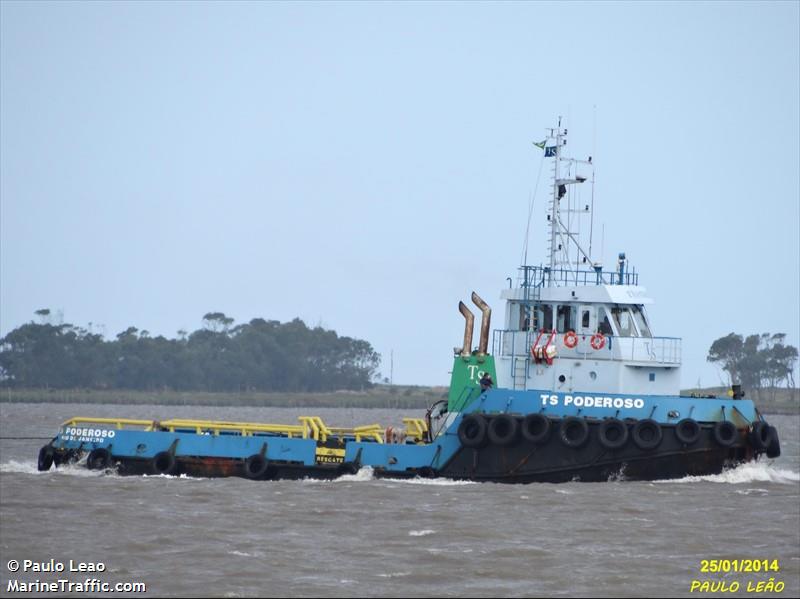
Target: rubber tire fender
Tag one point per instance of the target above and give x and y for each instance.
(574, 432)
(536, 428)
(643, 440)
(774, 450)
(255, 466)
(99, 459)
(46, 455)
(348, 468)
(688, 431)
(163, 463)
(609, 425)
(762, 435)
(725, 433)
(472, 430)
(503, 430)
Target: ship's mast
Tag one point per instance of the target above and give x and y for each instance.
(564, 220)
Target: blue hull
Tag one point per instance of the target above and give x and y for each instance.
(500, 435)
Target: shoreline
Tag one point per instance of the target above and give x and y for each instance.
(381, 396)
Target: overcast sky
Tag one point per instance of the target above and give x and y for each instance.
(366, 166)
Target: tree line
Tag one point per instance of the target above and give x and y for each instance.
(757, 361)
(262, 355)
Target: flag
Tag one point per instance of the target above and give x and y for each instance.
(549, 151)
(540, 144)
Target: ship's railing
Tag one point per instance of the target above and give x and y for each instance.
(543, 276)
(658, 350)
(118, 423)
(310, 427)
(662, 350)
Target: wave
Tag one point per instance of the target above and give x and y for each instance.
(31, 467)
(75, 469)
(435, 482)
(749, 472)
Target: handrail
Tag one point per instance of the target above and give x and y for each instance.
(119, 422)
(664, 350)
(312, 427)
(243, 428)
(416, 428)
(539, 276)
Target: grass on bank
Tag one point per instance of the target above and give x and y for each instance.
(380, 396)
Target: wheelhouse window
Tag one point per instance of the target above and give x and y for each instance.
(641, 321)
(624, 320)
(547, 317)
(522, 313)
(604, 322)
(565, 318)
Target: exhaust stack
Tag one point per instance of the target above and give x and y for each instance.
(469, 317)
(486, 319)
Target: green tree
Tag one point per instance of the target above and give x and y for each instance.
(756, 361)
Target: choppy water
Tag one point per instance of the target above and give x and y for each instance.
(360, 536)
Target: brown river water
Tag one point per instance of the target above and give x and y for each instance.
(361, 536)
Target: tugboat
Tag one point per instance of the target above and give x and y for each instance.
(584, 392)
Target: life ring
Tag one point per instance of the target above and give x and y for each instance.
(762, 435)
(688, 431)
(503, 430)
(647, 434)
(725, 433)
(163, 463)
(574, 432)
(46, 455)
(536, 428)
(570, 339)
(472, 430)
(255, 466)
(613, 433)
(98, 459)
(598, 341)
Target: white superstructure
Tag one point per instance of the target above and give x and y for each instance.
(570, 325)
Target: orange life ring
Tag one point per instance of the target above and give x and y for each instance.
(598, 341)
(570, 339)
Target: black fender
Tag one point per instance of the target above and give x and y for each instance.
(688, 431)
(762, 435)
(163, 463)
(725, 433)
(472, 430)
(255, 466)
(647, 434)
(574, 432)
(503, 430)
(46, 456)
(99, 459)
(536, 428)
(774, 450)
(613, 433)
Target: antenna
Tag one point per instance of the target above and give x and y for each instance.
(594, 153)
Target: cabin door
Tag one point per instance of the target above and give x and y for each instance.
(587, 320)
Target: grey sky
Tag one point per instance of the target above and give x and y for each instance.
(365, 166)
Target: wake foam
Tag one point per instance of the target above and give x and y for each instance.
(750, 472)
(31, 467)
